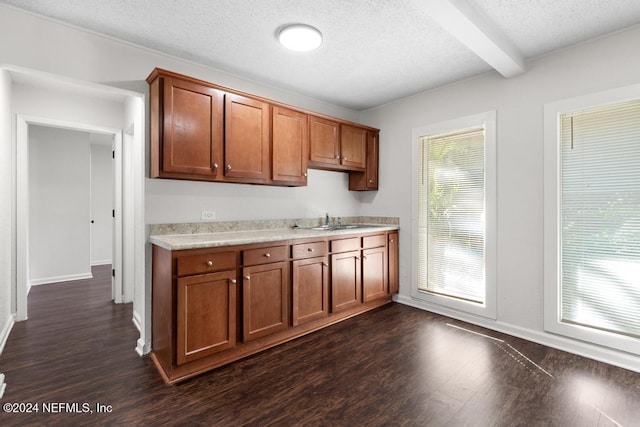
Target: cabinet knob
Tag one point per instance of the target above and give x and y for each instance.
(364, 257)
(268, 255)
(209, 263)
(305, 174)
(391, 240)
(337, 157)
(370, 181)
(310, 249)
(325, 264)
(228, 167)
(234, 281)
(344, 158)
(215, 166)
(247, 277)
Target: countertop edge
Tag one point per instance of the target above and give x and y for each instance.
(175, 242)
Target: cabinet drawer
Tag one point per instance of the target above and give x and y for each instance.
(264, 255)
(374, 241)
(308, 250)
(344, 245)
(207, 263)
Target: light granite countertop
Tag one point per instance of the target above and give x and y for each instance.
(228, 238)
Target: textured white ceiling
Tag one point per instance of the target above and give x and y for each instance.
(374, 51)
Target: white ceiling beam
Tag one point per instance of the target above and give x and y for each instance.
(462, 21)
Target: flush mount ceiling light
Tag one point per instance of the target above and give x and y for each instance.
(299, 37)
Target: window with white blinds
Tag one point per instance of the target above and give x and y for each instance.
(451, 214)
(599, 217)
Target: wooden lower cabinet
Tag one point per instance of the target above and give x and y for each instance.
(394, 279)
(265, 308)
(212, 306)
(310, 285)
(206, 321)
(346, 284)
(374, 273)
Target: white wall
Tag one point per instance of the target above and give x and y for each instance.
(35, 43)
(101, 199)
(599, 65)
(7, 236)
(59, 205)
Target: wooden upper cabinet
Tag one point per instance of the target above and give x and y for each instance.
(192, 130)
(336, 146)
(353, 147)
(247, 138)
(324, 141)
(290, 146)
(203, 131)
(367, 180)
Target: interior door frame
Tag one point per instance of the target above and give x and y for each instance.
(22, 204)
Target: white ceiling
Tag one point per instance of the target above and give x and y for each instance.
(374, 51)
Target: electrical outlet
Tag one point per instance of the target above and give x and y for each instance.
(208, 215)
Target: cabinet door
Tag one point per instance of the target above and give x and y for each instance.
(353, 147)
(206, 321)
(374, 273)
(394, 278)
(192, 128)
(324, 141)
(310, 289)
(371, 171)
(290, 145)
(346, 285)
(246, 144)
(265, 299)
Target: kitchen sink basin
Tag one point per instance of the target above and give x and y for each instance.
(339, 227)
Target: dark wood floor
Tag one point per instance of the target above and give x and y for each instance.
(393, 366)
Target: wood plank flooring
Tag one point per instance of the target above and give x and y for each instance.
(395, 366)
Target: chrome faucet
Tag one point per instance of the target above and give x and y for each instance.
(326, 219)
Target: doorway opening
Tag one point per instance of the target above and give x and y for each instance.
(55, 216)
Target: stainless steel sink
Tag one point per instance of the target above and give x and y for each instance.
(339, 227)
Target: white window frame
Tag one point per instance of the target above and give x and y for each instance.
(488, 121)
(552, 220)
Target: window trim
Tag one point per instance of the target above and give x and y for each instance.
(488, 120)
(552, 220)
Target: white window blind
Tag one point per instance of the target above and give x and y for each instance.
(451, 214)
(600, 218)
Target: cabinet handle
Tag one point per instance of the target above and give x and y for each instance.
(215, 166)
(234, 281)
(325, 264)
(229, 167)
(209, 263)
(247, 277)
(364, 257)
(268, 255)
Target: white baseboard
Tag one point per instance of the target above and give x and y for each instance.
(590, 351)
(3, 385)
(4, 336)
(6, 330)
(142, 347)
(100, 262)
(137, 320)
(58, 279)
